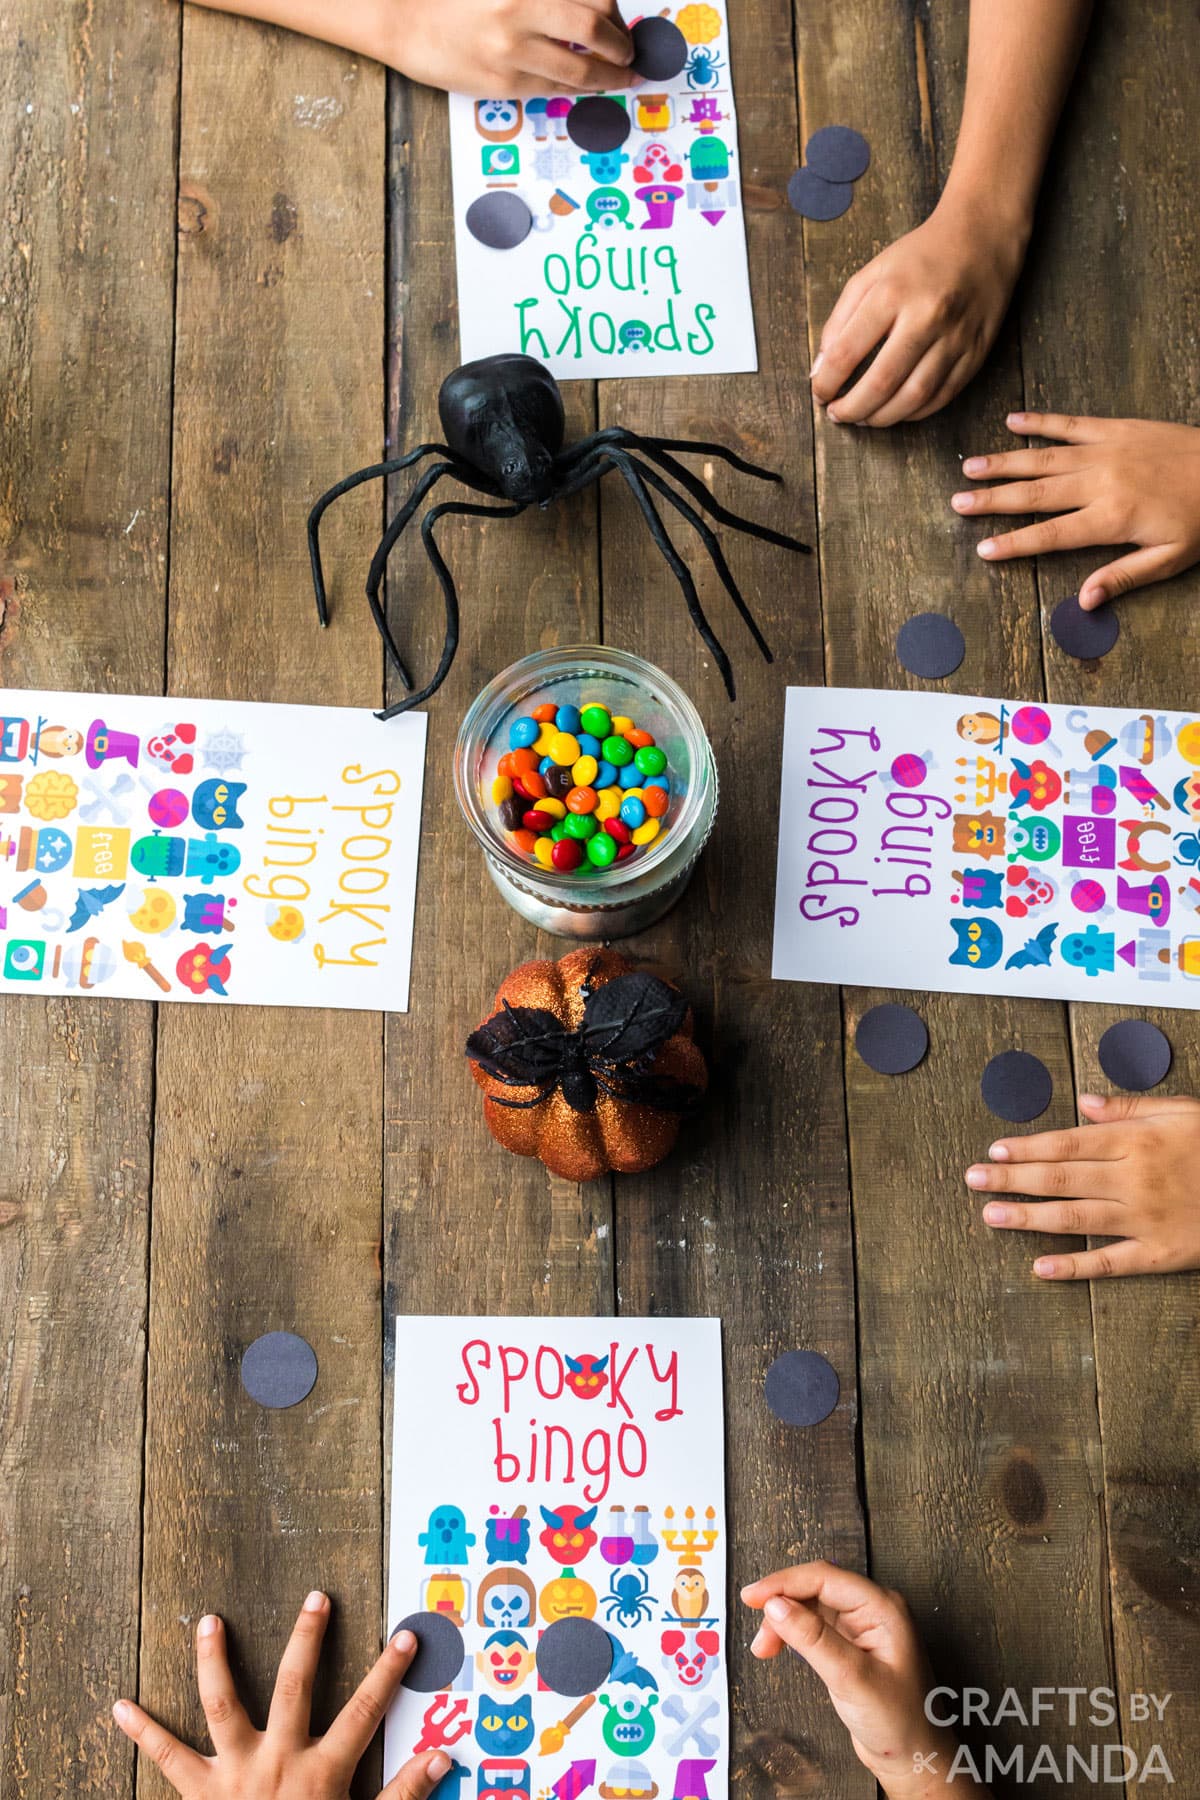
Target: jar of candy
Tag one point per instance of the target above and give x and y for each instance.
(587, 777)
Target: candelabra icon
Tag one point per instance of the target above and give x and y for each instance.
(691, 1541)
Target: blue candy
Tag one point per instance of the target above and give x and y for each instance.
(522, 733)
(547, 762)
(606, 776)
(633, 812)
(631, 776)
(658, 781)
(588, 745)
(567, 719)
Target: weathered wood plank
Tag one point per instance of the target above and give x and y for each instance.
(269, 1148)
(980, 1432)
(750, 1218)
(1123, 201)
(87, 109)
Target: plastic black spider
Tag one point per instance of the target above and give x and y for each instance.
(504, 425)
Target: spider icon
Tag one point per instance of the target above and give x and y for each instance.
(702, 65)
(629, 1600)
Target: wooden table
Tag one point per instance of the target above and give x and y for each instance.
(226, 277)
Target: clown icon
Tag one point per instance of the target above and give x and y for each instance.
(171, 749)
(657, 163)
(659, 203)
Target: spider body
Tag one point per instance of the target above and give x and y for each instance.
(629, 1600)
(504, 438)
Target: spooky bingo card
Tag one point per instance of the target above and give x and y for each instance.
(207, 850)
(558, 1531)
(603, 235)
(975, 845)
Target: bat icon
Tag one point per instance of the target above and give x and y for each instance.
(1035, 952)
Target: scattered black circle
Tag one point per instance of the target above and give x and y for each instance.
(801, 1387)
(891, 1039)
(1084, 635)
(279, 1369)
(930, 645)
(500, 220)
(1016, 1086)
(1135, 1055)
(837, 153)
(574, 1656)
(439, 1654)
(814, 198)
(659, 49)
(598, 123)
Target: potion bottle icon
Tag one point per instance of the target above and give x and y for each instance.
(617, 1545)
(645, 1544)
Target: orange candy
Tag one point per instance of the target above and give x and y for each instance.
(505, 766)
(544, 714)
(535, 785)
(639, 739)
(524, 762)
(524, 840)
(656, 801)
(581, 800)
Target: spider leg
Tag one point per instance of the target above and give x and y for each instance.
(461, 509)
(637, 488)
(655, 450)
(375, 472)
(632, 440)
(379, 561)
(709, 539)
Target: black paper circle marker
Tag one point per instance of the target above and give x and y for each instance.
(930, 645)
(1016, 1086)
(279, 1369)
(836, 153)
(1135, 1055)
(598, 123)
(574, 1656)
(891, 1039)
(439, 1655)
(500, 220)
(659, 49)
(801, 1387)
(1084, 634)
(817, 199)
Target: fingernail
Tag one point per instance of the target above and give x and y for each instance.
(758, 1643)
(208, 1624)
(998, 1152)
(404, 1641)
(818, 359)
(962, 502)
(996, 1215)
(439, 1765)
(830, 414)
(1091, 1100)
(1091, 596)
(121, 1712)
(987, 547)
(974, 465)
(977, 1177)
(778, 1608)
(1016, 418)
(1044, 1266)
(315, 1601)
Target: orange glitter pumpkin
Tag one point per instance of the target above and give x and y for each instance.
(587, 1064)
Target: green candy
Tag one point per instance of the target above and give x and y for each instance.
(650, 760)
(578, 825)
(617, 750)
(596, 721)
(602, 849)
(558, 830)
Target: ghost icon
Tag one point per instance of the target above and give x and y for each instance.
(447, 1540)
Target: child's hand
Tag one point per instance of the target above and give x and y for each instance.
(283, 1761)
(1131, 1176)
(932, 302)
(1122, 481)
(514, 49)
(861, 1641)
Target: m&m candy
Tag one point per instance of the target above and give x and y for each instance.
(578, 790)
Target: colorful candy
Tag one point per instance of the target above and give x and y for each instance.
(580, 790)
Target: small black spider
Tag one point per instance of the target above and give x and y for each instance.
(504, 425)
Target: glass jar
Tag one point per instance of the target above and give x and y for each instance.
(625, 897)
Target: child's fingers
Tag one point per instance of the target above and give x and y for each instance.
(359, 1720)
(228, 1724)
(844, 309)
(1072, 531)
(183, 1768)
(1083, 1180)
(1136, 570)
(418, 1778)
(1012, 463)
(291, 1703)
(1074, 1145)
(1067, 1218)
(1126, 1258)
(842, 352)
(563, 68)
(1045, 493)
(1110, 1109)
(1071, 428)
(825, 1582)
(914, 392)
(822, 1646)
(901, 352)
(955, 381)
(579, 24)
